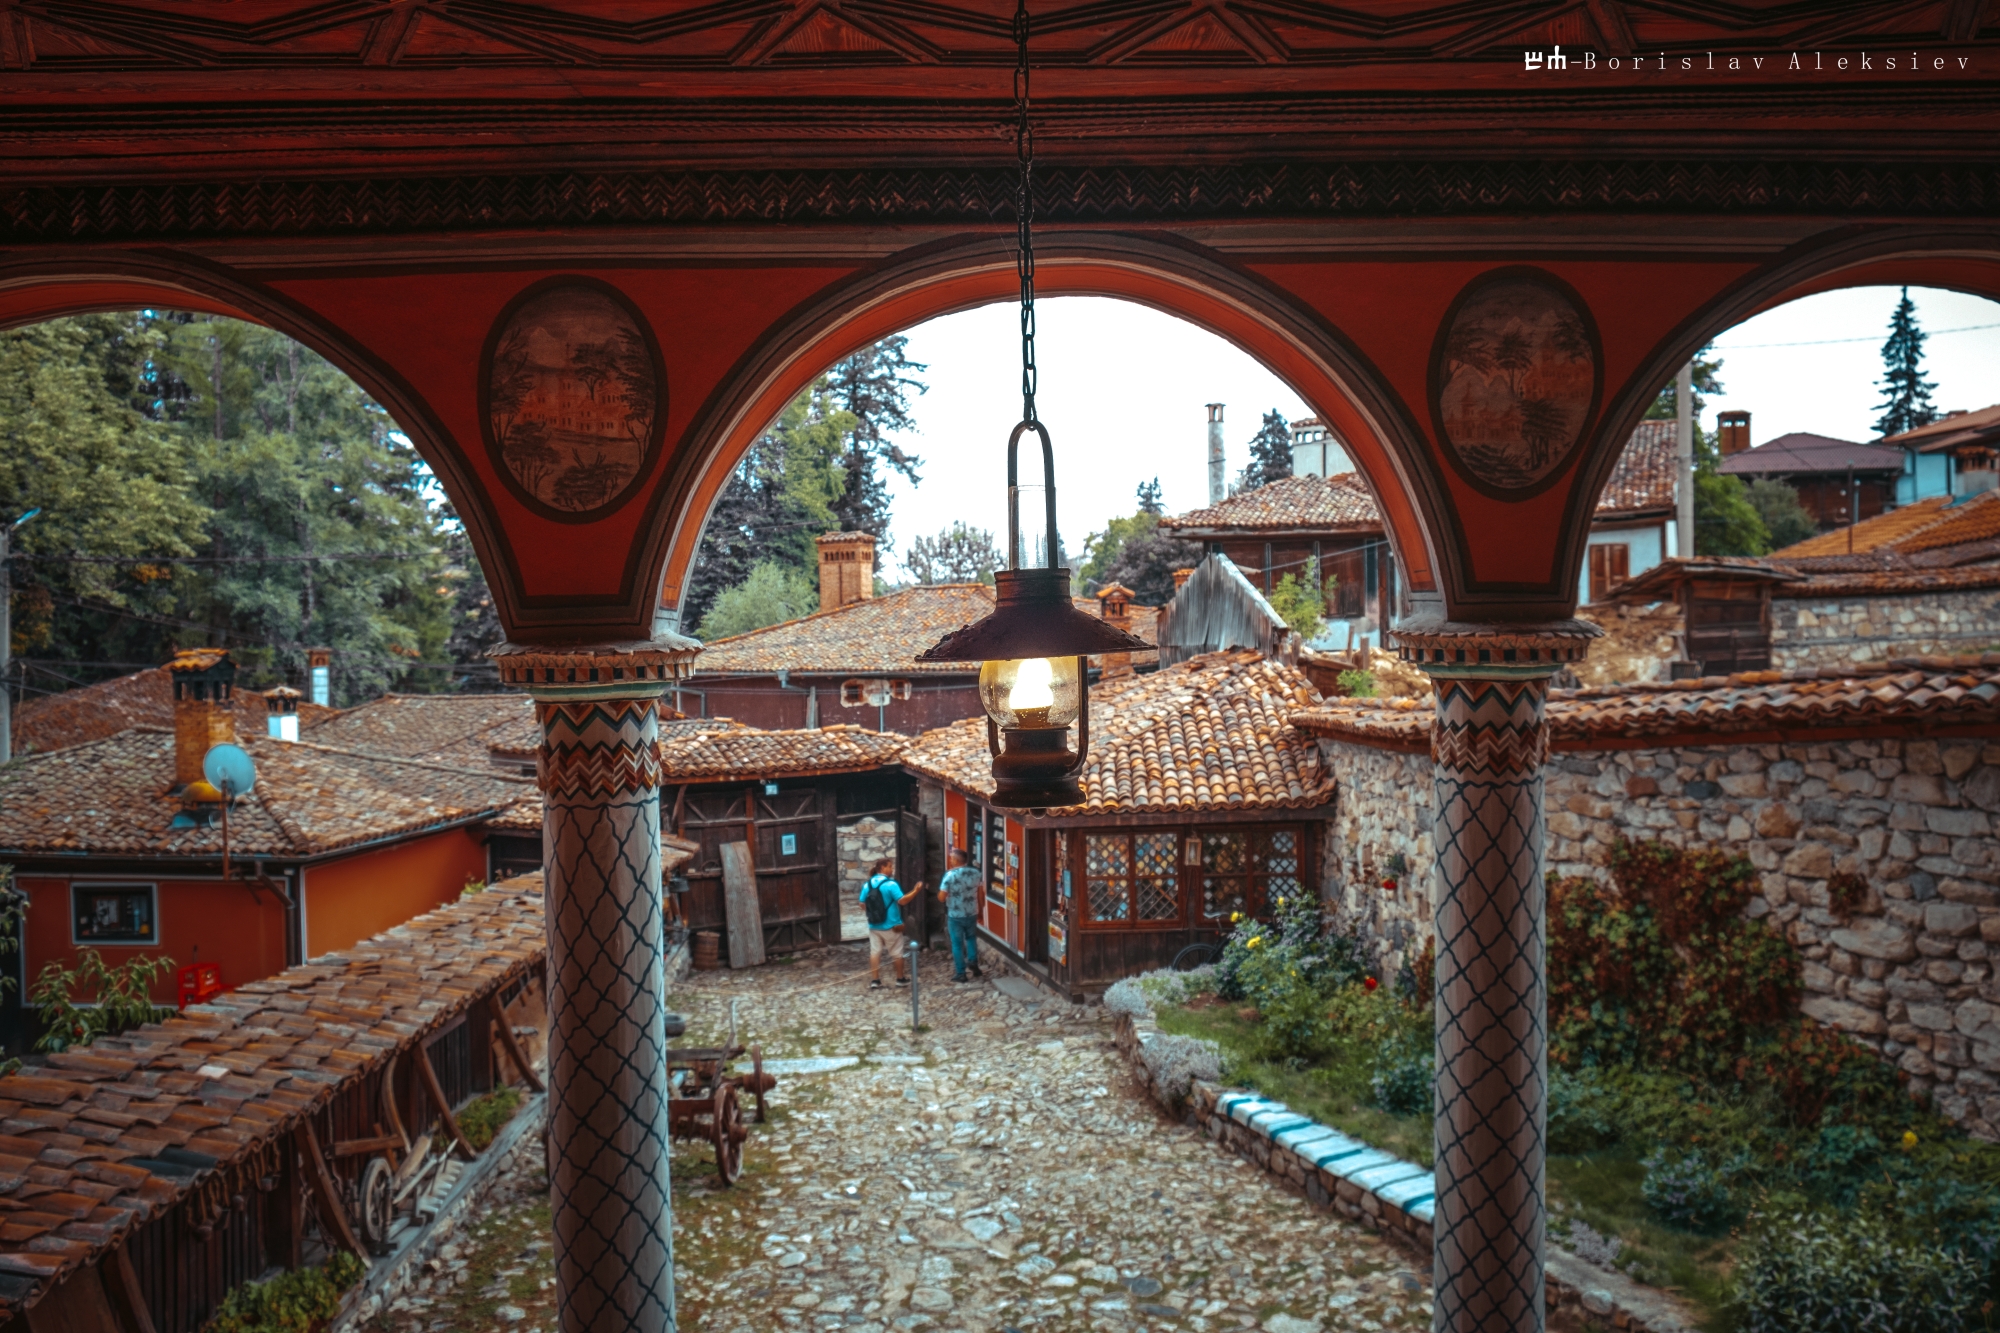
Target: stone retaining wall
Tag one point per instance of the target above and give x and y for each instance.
(862, 844)
(1908, 970)
(1843, 631)
(1381, 1192)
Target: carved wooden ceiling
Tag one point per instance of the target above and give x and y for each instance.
(129, 35)
(228, 89)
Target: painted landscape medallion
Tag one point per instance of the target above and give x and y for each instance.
(573, 397)
(1514, 380)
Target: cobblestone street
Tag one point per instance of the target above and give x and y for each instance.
(997, 1170)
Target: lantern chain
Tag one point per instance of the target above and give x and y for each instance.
(1024, 149)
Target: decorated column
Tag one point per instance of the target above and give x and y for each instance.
(1489, 744)
(599, 771)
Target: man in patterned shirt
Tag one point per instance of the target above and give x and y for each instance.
(960, 891)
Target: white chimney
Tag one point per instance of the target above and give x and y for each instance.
(1218, 481)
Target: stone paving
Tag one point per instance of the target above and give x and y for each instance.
(999, 1170)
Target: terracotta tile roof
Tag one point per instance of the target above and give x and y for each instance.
(1662, 582)
(107, 797)
(518, 742)
(1643, 480)
(82, 1137)
(750, 753)
(1974, 520)
(142, 699)
(1926, 691)
(1981, 427)
(1208, 734)
(874, 636)
(1323, 504)
(1869, 533)
(1802, 451)
(443, 728)
(524, 816)
(1885, 582)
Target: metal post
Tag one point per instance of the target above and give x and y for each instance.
(915, 1021)
(1684, 437)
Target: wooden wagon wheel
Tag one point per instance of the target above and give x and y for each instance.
(728, 1131)
(757, 1079)
(377, 1203)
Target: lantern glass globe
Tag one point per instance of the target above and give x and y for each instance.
(1032, 693)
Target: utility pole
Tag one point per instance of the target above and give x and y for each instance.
(7, 634)
(1684, 436)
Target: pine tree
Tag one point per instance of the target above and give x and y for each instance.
(875, 385)
(1149, 498)
(1906, 401)
(1270, 454)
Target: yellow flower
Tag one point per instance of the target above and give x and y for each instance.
(1909, 1139)
(1281, 902)
(1236, 916)
(1255, 940)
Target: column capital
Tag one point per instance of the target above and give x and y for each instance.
(628, 669)
(1448, 648)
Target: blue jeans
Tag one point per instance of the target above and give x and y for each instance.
(964, 932)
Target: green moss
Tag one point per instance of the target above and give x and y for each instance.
(481, 1120)
(295, 1302)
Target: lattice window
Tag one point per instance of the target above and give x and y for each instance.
(1107, 876)
(1159, 889)
(1225, 880)
(1281, 864)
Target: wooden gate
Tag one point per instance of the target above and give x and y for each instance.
(792, 852)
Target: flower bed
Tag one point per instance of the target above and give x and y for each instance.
(1703, 1137)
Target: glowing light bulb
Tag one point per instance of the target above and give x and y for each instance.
(1033, 685)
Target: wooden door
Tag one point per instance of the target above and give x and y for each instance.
(911, 869)
(790, 851)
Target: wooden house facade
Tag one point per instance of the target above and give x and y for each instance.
(784, 795)
(1200, 802)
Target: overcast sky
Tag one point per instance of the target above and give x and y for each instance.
(1123, 388)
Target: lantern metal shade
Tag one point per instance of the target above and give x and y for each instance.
(1033, 767)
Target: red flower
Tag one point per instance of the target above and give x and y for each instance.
(1369, 982)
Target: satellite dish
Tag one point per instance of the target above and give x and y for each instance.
(229, 770)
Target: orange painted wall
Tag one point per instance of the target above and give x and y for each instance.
(244, 933)
(358, 896)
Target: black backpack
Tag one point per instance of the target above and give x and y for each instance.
(875, 901)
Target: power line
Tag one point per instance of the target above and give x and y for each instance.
(1828, 342)
(340, 556)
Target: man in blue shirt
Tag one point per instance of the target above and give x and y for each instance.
(882, 899)
(959, 890)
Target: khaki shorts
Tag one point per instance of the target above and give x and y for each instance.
(889, 942)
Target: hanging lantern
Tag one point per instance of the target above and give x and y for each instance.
(1034, 678)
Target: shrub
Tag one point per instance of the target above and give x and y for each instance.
(1137, 995)
(1176, 1062)
(1839, 1163)
(1692, 1191)
(1358, 684)
(78, 1005)
(1405, 1076)
(1814, 1272)
(1819, 1072)
(1580, 1112)
(295, 1302)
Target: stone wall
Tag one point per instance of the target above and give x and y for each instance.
(1908, 971)
(1383, 811)
(1842, 631)
(862, 844)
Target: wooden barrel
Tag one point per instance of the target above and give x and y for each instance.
(707, 950)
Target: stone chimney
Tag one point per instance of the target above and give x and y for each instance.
(1218, 473)
(846, 569)
(203, 678)
(281, 713)
(1734, 429)
(319, 674)
(1114, 607)
(1181, 576)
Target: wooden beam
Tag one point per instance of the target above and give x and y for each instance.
(389, 1104)
(332, 1213)
(513, 1043)
(128, 1298)
(381, 1143)
(743, 909)
(436, 1090)
(1612, 24)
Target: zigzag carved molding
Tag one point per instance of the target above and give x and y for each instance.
(1490, 730)
(1066, 194)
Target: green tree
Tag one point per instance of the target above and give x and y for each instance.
(110, 482)
(1725, 522)
(1785, 519)
(1270, 454)
(959, 554)
(783, 493)
(1906, 394)
(1301, 601)
(874, 386)
(772, 594)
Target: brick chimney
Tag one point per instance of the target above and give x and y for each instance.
(1114, 607)
(281, 713)
(1218, 473)
(1734, 430)
(846, 569)
(203, 678)
(1181, 576)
